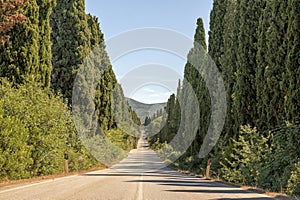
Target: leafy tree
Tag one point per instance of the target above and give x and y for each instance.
(38, 129)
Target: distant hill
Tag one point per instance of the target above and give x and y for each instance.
(142, 110)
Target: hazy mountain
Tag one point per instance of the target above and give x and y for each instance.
(142, 110)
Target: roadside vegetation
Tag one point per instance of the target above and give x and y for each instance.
(256, 47)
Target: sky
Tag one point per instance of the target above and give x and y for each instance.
(137, 18)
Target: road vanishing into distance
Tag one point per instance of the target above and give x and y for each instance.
(141, 176)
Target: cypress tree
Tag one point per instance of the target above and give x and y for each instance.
(45, 49)
(245, 89)
(97, 37)
(70, 39)
(27, 55)
(228, 64)
(193, 75)
(216, 33)
(103, 98)
(261, 59)
(271, 57)
(19, 56)
(292, 98)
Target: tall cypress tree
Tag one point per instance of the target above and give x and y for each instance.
(70, 39)
(261, 60)
(45, 48)
(19, 56)
(292, 99)
(193, 72)
(216, 33)
(229, 65)
(271, 57)
(245, 89)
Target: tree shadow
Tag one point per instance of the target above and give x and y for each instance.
(260, 198)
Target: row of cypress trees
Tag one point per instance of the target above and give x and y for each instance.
(42, 58)
(256, 47)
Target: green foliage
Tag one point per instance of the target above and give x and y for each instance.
(229, 65)
(153, 128)
(256, 47)
(171, 121)
(180, 116)
(15, 153)
(245, 90)
(71, 44)
(283, 155)
(271, 58)
(248, 155)
(45, 63)
(264, 161)
(293, 187)
(217, 31)
(121, 139)
(29, 56)
(292, 98)
(38, 117)
(40, 125)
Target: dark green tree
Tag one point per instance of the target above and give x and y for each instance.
(228, 64)
(271, 58)
(217, 31)
(45, 49)
(147, 121)
(245, 89)
(71, 44)
(292, 98)
(19, 57)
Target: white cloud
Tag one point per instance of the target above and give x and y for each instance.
(154, 95)
(149, 90)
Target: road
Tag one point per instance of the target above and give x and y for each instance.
(141, 176)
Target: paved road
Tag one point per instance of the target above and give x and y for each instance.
(141, 176)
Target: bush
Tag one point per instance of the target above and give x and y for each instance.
(247, 159)
(15, 153)
(293, 187)
(270, 162)
(40, 124)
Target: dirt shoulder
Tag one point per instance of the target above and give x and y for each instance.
(278, 196)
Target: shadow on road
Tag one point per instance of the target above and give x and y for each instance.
(143, 168)
(263, 198)
(229, 191)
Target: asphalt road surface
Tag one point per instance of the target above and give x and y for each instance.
(140, 176)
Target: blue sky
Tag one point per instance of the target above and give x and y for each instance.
(119, 16)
